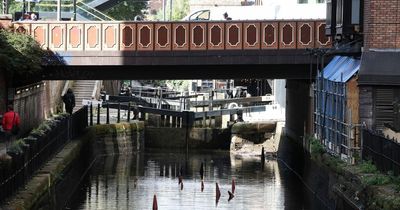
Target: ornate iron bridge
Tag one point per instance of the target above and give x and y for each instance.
(121, 44)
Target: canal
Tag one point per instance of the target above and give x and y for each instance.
(129, 181)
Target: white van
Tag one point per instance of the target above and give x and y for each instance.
(271, 11)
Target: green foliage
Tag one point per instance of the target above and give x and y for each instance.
(37, 132)
(375, 179)
(20, 53)
(17, 146)
(13, 6)
(316, 147)
(45, 127)
(180, 8)
(126, 10)
(368, 167)
(180, 85)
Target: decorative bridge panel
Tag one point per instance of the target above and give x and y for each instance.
(177, 36)
(39, 32)
(75, 37)
(110, 38)
(287, 35)
(233, 33)
(163, 36)
(251, 36)
(305, 35)
(57, 37)
(93, 37)
(198, 37)
(180, 36)
(216, 40)
(145, 33)
(127, 37)
(269, 35)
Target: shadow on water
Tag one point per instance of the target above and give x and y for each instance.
(129, 181)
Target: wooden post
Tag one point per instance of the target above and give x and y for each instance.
(174, 122)
(205, 120)
(188, 123)
(108, 114)
(98, 114)
(119, 112)
(168, 121)
(129, 112)
(91, 114)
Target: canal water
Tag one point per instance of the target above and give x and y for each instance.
(129, 181)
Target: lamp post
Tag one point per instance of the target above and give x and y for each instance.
(74, 15)
(59, 10)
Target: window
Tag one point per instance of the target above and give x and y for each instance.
(320, 1)
(302, 1)
(200, 15)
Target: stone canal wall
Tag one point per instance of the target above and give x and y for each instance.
(336, 184)
(119, 138)
(198, 138)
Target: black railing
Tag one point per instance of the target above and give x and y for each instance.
(384, 153)
(37, 150)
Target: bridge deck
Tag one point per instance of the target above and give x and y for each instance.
(267, 45)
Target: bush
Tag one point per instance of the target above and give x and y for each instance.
(21, 52)
(316, 147)
(376, 179)
(17, 146)
(368, 167)
(37, 132)
(22, 57)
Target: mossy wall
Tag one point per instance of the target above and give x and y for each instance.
(119, 138)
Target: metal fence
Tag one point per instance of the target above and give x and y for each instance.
(384, 152)
(37, 151)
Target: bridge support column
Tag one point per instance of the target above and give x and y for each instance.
(298, 109)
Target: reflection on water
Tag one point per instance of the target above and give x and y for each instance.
(130, 182)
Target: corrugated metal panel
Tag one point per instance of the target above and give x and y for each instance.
(341, 68)
(383, 107)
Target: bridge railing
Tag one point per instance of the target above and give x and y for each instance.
(177, 36)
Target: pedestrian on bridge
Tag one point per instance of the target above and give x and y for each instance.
(69, 100)
(10, 123)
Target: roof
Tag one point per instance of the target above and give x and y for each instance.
(380, 68)
(341, 68)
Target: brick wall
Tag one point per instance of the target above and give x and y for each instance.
(382, 24)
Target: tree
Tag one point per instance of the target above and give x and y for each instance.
(21, 57)
(180, 8)
(127, 10)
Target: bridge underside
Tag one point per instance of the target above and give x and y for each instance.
(290, 64)
(273, 71)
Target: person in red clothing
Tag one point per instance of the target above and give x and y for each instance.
(10, 118)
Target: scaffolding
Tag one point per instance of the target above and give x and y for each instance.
(332, 119)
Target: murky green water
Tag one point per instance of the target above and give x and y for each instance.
(130, 182)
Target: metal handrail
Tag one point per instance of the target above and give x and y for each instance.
(109, 18)
(103, 18)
